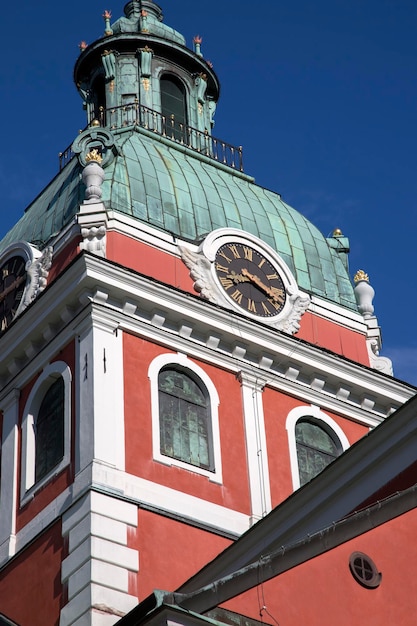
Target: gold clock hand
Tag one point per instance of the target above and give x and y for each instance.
(238, 278)
(274, 293)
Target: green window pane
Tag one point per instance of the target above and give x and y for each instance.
(173, 107)
(49, 447)
(184, 419)
(316, 448)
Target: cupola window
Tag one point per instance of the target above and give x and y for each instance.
(173, 107)
(99, 99)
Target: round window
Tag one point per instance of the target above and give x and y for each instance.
(364, 570)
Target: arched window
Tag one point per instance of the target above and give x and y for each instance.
(173, 108)
(46, 428)
(99, 99)
(49, 427)
(184, 418)
(316, 448)
(314, 439)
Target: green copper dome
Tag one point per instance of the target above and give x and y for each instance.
(188, 196)
(155, 100)
(146, 14)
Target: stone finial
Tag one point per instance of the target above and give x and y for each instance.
(197, 45)
(364, 294)
(93, 176)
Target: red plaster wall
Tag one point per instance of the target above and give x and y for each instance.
(64, 258)
(334, 337)
(150, 261)
(323, 591)
(30, 585)
(161, 540)
(276, 409)
(234, 493)
(60, 482)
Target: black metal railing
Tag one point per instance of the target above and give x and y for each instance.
(197, 140)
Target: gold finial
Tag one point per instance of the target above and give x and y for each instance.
(82, 45)
(337, 233)
(361, 275)
(95, 122)
(93, 155)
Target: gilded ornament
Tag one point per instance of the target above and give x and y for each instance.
(337, 233)
(93, 155)
(361, 275)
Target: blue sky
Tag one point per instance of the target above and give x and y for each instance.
(322, 96)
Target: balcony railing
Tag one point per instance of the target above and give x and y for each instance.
(199, 141)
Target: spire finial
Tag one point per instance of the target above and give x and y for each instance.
(144, 21)
(107, 28)
(197, 45)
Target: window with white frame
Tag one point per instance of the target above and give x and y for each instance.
(315, 440)
(46, 428)
(185, 426)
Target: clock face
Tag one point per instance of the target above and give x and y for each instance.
(250, 279)
(12, 286)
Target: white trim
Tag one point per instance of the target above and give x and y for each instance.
(51, 372)
(140, 492)
(181, 359)
(292, 419)
(256, 448)
(9, 474)
(320, 374)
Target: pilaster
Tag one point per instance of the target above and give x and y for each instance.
(100, 406)
(257, 457)
(8, 484)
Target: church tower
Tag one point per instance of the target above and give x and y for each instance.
(180, 349)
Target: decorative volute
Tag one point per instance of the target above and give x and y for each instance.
(141, 72)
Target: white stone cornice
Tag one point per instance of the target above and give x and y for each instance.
(145, 307)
